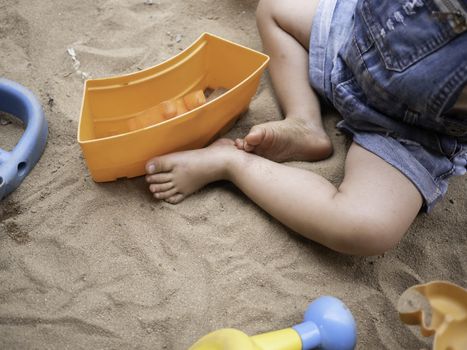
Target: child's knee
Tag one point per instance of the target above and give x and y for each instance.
(265, 12)
(371, 236)
(372, 245)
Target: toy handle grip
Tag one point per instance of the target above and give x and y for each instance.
(284, 339)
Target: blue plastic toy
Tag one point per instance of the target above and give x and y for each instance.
(18, 101)
(328, 325)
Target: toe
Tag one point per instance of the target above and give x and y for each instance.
(240, 144)
(255, 136)
(159, 178)
(175, 199)
(161, 187)
(247, 147)
(157, 165)
(166, 194)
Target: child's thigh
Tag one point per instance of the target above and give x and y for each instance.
(294, 17)
(377, 194)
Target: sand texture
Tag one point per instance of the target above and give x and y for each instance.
(104, 266)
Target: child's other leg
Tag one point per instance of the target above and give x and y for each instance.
(366, 215)
(285, 27)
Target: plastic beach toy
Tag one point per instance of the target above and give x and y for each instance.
(448, 303)
(328, 325)
(116, 145)
(15, 165)
(163, 111)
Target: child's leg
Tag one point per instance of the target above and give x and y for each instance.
(368, 214)
(285, 27)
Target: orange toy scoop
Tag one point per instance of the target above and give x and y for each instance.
(447, 305)
(127, 119)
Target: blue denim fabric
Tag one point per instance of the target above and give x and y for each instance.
(393, 69)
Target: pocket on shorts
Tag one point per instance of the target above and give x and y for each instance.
(406, 31)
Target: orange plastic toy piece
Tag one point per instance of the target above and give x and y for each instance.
(126, 120)
(448, 304)
(166, 110)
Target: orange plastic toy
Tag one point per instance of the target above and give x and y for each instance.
(163, 111)
(126, 120)
(448, 303)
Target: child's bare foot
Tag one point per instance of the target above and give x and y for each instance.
(287, 140)
(175, 176)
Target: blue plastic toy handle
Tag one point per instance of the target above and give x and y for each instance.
(18, 101)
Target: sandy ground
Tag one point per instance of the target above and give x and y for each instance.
(104, 266)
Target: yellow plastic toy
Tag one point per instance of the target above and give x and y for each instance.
(233, 339)
(126, 120)
(328, 325)
(448, 304)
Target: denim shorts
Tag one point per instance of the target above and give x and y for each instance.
(393, 84)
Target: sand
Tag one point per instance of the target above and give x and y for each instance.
(103, 266)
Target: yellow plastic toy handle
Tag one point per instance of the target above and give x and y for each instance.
(225, 339)
(232, 339)
(285, 339)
